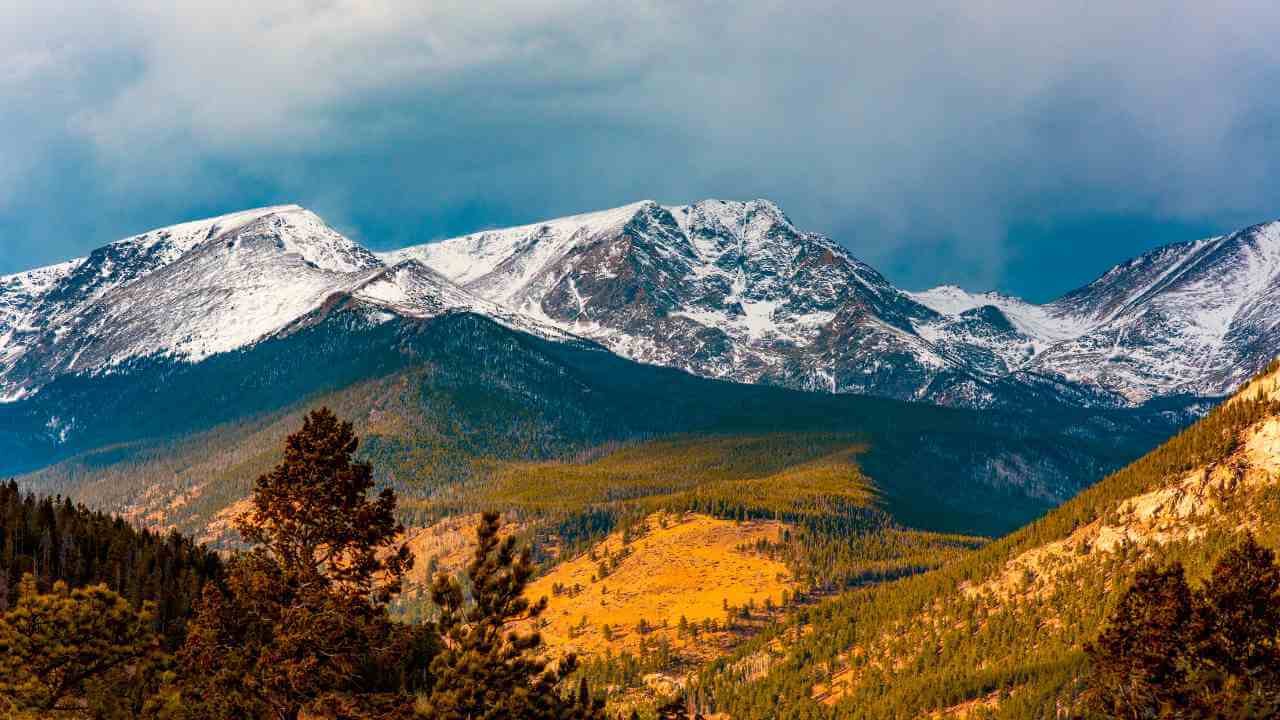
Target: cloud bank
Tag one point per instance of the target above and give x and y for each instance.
(1021, 145)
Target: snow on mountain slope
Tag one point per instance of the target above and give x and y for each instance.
(1192, 318)
(723, 289)
(519, 251)
(1196, 318)
(729, 290)
(1038, 322)
(197, 289)
(735, 290)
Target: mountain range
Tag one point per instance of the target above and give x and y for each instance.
(730, 290)
(735, 290)
(646, 372)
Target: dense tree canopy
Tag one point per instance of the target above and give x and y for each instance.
(54, 539)
(1170, 652)
(69, 652)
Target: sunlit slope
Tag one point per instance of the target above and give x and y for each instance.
(635, 589)
(779, 473)
(1003, 628)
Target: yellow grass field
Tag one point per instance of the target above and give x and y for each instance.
(691, 568)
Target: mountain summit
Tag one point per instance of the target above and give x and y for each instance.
(734, 290)
(730, 290)
(722, 289)
(195, 290)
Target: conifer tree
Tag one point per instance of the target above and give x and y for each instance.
(89, 548)
(487, 670)
(1237, 631)
(1214, 653)
(1138, 661)
(302, 623)
(313, 515)
(57, 647)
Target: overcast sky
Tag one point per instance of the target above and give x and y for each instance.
(1023, 145)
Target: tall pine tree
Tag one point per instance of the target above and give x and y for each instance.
(302, 624)
(488, 671)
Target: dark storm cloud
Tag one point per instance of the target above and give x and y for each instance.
(1023, 145)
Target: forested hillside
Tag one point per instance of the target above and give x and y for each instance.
(56, 540)
(1001, 632)
(575, 445)
(294, 626)
(848, 610)
(439, 399)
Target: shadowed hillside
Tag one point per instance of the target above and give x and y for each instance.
(438, 399)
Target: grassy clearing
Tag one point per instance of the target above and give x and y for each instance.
(689, 566)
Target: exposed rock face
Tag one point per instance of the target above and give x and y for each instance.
(734, 290)
(730, 290)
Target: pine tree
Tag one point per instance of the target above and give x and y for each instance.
(302, 622)
(313, 515)
(1138, 661)
(1237, 630)
(1214, 653)
(57, 648)
(487, 670)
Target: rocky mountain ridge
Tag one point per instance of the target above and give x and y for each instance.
(202, 288)
(729, 290)
(735, 290)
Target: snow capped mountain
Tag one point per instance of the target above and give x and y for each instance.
(722, 289)
(1195, 318)
(729, 290)
(1187, 319)
(734, 290)
(197, 289)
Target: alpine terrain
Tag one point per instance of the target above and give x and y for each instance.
(735, 290)
(198, 289)
(209, 325)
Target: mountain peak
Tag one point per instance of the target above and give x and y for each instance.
(192, 290)
(723, 288)
(733, 289)
(733, 216)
